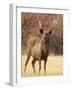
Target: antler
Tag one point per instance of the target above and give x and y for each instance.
(39, 22)
(54, 22)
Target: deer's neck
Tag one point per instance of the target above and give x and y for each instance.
(45, 46)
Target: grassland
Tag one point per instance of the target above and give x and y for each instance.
(54, 66)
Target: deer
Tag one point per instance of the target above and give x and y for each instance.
(38, 48)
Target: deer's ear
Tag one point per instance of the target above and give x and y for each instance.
(41, 30)
(50, 32)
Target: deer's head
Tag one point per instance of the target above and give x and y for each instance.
(46, 34)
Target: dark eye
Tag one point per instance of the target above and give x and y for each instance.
(50, 32)
(41, 30)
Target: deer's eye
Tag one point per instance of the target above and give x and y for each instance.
(41, 30)
(50, 32)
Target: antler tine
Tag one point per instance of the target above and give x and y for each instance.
(39, 22)
(54, 22)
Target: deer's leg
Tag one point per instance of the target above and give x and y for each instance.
(39, 66)
(33, 65)
(45, 61)
(28, 57)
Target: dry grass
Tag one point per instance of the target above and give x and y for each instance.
(54, 66)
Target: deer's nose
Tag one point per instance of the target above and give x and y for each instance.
(44, 35)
